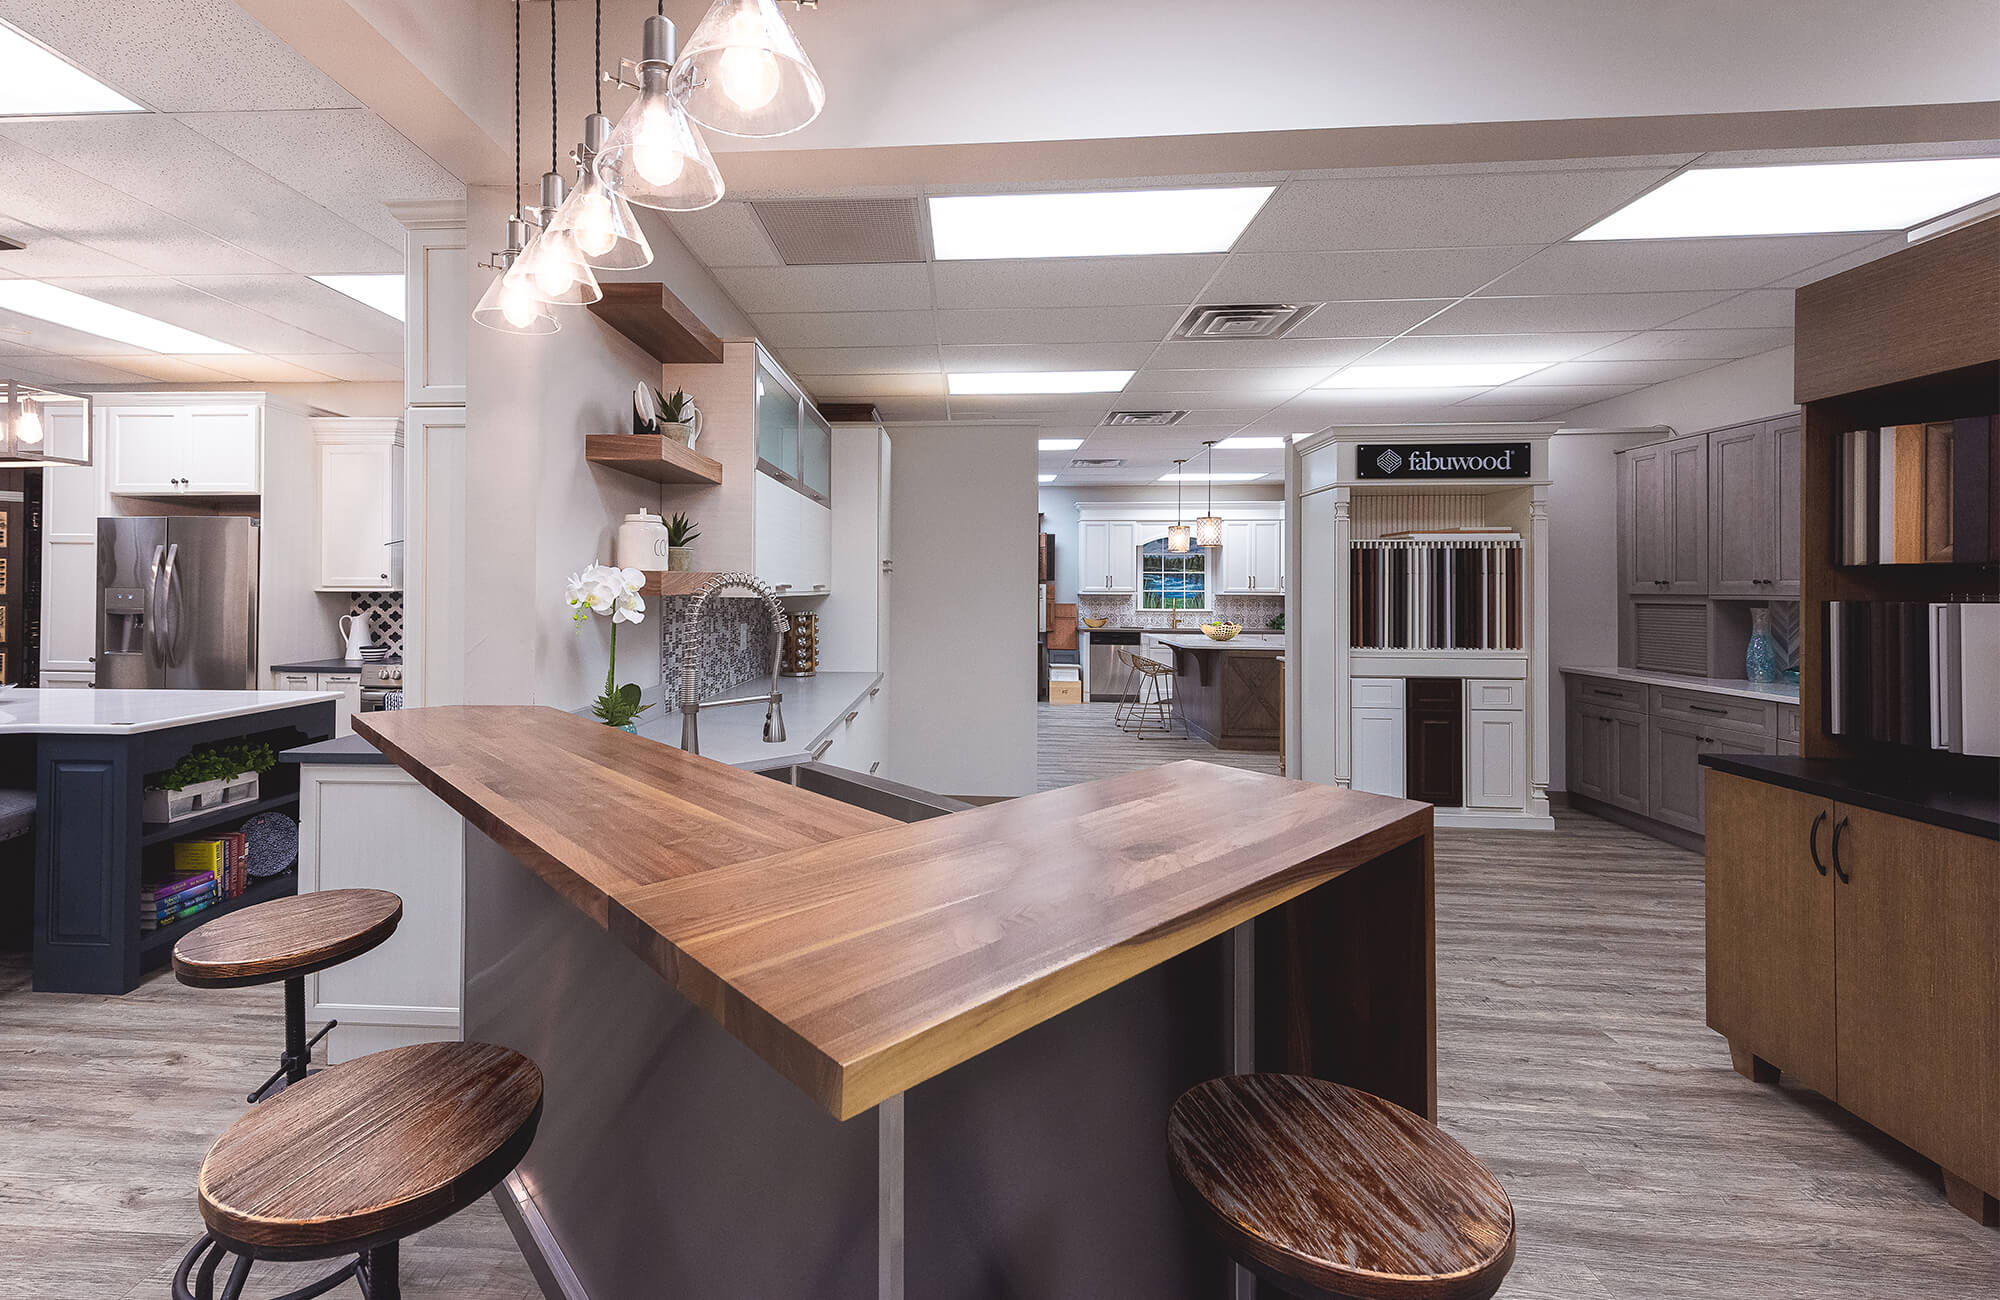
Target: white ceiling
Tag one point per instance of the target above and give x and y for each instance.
(1432, 264)
(253, 171)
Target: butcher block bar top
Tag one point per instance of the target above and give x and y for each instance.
(860, 956)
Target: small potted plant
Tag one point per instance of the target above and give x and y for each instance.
(679, 419)
(602, 589)
(212, 777)
(681, 537)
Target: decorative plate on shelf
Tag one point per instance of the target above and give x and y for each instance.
(274, 843)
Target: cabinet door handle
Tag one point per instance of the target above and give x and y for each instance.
(852, 716)
(820, 749)
(1839, 870)
(1704, 708)
(1812, 841)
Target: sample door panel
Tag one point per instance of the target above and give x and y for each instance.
(1434, 764)
(1742, 525)
(1917, 945)
(1770, 926)
(1494, 753)
(1378, 723)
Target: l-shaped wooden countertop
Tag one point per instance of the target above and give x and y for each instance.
(859, 956)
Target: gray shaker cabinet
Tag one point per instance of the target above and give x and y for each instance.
(1754, 509)
(1785, 448)
(1674, 750)
(1665, 491)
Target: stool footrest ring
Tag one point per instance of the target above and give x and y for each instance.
(375, 1270)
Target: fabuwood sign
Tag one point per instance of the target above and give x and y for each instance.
(1421, 460)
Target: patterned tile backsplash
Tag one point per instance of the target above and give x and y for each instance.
(734, 646)
(384, 612)
(1785, 632)
(1253, 612)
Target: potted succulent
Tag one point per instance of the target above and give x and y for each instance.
(679, 419)
(681, 536)
(602, 589)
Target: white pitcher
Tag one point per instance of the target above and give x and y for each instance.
(354, 627)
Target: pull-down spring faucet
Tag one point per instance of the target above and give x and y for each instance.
(774, 716)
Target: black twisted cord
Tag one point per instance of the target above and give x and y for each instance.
(554, 112)
(517, 107)
(597, 63)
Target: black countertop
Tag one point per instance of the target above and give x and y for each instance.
(341, 749)
(333, 665)
(1973, 807)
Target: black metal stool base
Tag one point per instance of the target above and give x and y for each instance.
(296, 1062)
(375, 1270)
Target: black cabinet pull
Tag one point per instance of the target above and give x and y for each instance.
(1812, 841)
(1839, 870)
(1703, 708)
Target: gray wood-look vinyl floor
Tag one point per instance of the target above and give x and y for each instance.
(1572, 1057)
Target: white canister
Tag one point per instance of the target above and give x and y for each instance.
(642, 543)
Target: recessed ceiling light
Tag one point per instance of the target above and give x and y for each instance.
(1206, 477)
(1249, 442)
(1045, 478)
(1471, 374)
(1804, 199)
(1004, 382)
(74, 311)
(35, 81)
(1116, 223)
(1060, 444)
(382, 292)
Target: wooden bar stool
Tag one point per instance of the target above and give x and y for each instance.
(358, 1157)
(1326, 1191)
(287, 939)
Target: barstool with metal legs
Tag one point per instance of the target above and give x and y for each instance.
(287, 939)
(1126, 695)
(1157, 703)
(1327, 1191)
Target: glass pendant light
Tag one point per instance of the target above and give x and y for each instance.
(1178, 535)
(1208, 528)
(551, 265)
(744, 72)
(595, 219)
(656, 156)
(508, 305)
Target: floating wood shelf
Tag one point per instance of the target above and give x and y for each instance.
(651, 456)
(658, 322)
(674, 584)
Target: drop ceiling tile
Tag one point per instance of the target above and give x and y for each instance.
(1075, 281)
(854, 388)
(1452, 211)
(1418, 349)
(353, 367)
(1661, 265)
(181, 56)
(268, 370)
(727, 234)
(1046, 356)
(1751, 309)
(1716, 345)
(1142, 324)
(890, 288)
(190, 307)
(1383, 318)
(1349, 400)
(1203, 354)
(1273, 380)
(912, 410)
(1584, 373)
(347, 160)
(57, 340)
(1051, 408)
(1499, 412)
(1325, 277)
(846, 329)
(48, 256)
(76, 370)
(1845, 262)
(860, 361)
(181, 370)
(1553, 398)
(1564, 313)
(310, 307)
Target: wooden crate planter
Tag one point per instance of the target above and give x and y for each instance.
(168, 806)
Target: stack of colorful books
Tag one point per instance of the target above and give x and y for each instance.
(170, 900)
(206, 871)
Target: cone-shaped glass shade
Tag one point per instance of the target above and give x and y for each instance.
(743, 72)
(510, 306)
(600, 226)
(657, 158)
(555, 273)
(1208, 530)
(1177, 537)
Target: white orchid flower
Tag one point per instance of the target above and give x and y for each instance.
(602, 589)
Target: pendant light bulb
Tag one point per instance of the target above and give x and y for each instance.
(656, 158)
(747, 70)
(745, 73)
(509, 304)
(1179, 534)
(28, 430)
(594, 233)
(516, 303)
(655, 150)
(1208, 528)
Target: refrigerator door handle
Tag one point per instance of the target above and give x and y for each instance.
(154, 651)
(176, 644)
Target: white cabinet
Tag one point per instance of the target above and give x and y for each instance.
(1108, 557)
(371, 826)
(184, 448)
(854, 619)
(1253, 557)
(434, 333)
(1380, 734)
(359, 470)
(859, 742)
(348, 684)
(69, 569)
(794, 540)
(1496, 743)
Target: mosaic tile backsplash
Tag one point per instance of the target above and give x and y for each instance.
(384, 612)
(1253, 612)
(735, 643)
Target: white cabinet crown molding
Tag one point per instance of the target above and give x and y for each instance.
(1165, 512)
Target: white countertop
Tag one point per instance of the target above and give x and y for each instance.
(814, 706)
(1199, 640)
(1782, 692)
(127, 713)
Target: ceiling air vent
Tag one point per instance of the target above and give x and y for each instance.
(1099, 463)
(843, 232)
(1155, 419)
(1256, 320)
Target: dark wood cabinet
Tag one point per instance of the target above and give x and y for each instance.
(1434, 747)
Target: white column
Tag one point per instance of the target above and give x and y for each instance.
(1538, 653)
(1343, 637)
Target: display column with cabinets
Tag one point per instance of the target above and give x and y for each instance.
(360, 515)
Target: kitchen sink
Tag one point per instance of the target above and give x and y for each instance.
(902, 802)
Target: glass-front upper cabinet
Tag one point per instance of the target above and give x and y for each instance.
(816, 454)
(777, 423)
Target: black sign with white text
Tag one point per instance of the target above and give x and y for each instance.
(1426, 460)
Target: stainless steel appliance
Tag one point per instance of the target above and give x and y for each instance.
(177, 603)
(377, 681)
(1109, 680)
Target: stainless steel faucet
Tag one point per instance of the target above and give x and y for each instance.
(774, 716)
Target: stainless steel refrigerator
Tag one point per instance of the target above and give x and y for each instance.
(177, 603)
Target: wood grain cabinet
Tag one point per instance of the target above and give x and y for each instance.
(1858, 952)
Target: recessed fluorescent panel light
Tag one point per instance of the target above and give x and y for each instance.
(36, 82)
(74, 311)
(1060, 444)
(1480, 374)
(1205, 477)
(1247, 442)
(1011, 382)
(1116, 223)
(1045, 478)
(1807, 199)
(382, 292)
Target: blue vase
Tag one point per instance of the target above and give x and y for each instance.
(632, 727)
(1760, 657)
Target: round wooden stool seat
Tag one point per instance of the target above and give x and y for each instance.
(370, 1151)
(286, 937)
(1326, 1190)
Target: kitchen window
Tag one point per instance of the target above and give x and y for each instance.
(1170, 581)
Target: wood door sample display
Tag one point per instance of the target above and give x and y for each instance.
(1917, 938)
(1434, 750)
(1771, 926)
